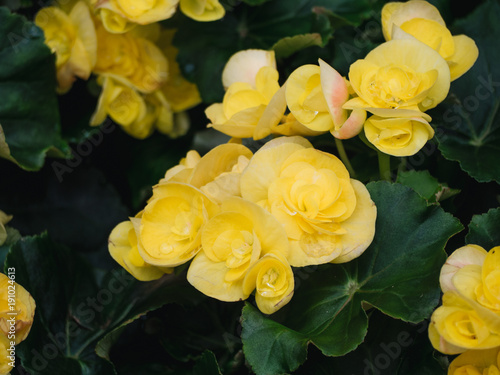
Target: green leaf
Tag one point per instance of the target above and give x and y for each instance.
(390, 347)
(207, 365)
(483, 230)
(397, 274)
(13, 236)
(74, 312)
(29, 116)
(291, 44)
(469, 121)
(426, 186)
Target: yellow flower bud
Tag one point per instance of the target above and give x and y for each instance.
(24, 309)
(272, 279)
(398, 136)
(202, 10)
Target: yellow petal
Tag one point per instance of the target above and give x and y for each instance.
(433, 34)
(466, 255)
(243, 66)
(203, 11)
(465, 56)
(481, 359)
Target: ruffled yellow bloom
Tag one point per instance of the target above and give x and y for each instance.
(398, 136)
(399, 78)
(121, 15)
(124, 246)
(135, 61)
(170, 229)
(460, 324)
(476, 362)
(73, 39)
(327, 216)
(233, 241)
(202, 10)
(470, 315)
(272, 279)
(179, 92)
(421, 20)
(4, 219)
(24, 307)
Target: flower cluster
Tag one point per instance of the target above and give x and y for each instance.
(468, 321)
(142, 86)
(15, 303)
(244, 219)
(396, 83)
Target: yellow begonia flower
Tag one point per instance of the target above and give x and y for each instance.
(4, 219)
(6, 360)
(327, 216)
(133, 60)
(480, 362)
(422, 20)
(272, 279)
(244, 104)
(459, 325)
(232, 242)
(73, 39)
(202, 10)
(179, 92)
(170, 229)
(398, 136)
(124, 246)
(120, 15)
(399, 78)
(24, 308)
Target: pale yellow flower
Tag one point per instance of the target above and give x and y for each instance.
(422, 20)
(72, 38)
(398, 136)
(327, 216)
(24, 309)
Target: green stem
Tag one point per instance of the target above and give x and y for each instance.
(343, 157)
(384, 166)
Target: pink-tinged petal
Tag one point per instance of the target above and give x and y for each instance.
(243, 66)
(464, 256)
(353, 125)
(335, 91)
